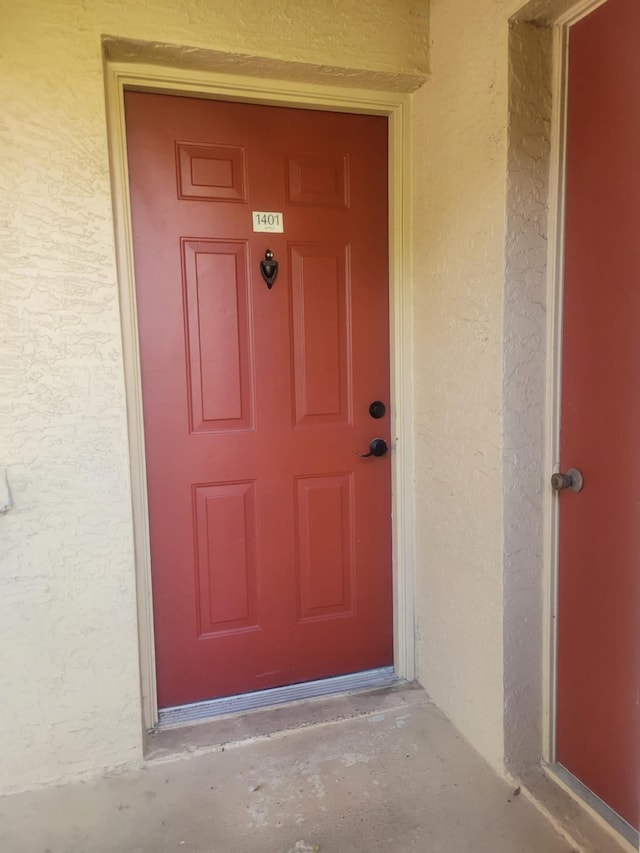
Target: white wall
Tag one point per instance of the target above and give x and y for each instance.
(68, 642)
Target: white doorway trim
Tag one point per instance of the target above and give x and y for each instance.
(121, 76)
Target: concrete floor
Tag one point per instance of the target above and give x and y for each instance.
(382, 771)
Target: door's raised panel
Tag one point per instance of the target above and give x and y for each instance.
(218, 335)
(210, 172)
(325, 541)
(318, 180)
(321, 307)
(225, 535)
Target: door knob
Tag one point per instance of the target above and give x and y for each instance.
(571, 480)
(378, 447)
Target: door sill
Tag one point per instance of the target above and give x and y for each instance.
(180, 715)
(619, 824)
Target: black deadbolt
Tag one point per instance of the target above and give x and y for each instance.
(377, 409)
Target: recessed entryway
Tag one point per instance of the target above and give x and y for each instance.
(388, 422)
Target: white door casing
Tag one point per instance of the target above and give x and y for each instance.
(121, 76)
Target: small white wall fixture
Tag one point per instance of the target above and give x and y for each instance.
(122, 76)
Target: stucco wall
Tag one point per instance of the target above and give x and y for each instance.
(67, 600)
(70, 685)
(460, 176)
(481, 175)
(525, 484)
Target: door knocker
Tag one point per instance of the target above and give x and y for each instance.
(269, 268)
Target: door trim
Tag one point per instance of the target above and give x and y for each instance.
(555, 264)
(120, 76)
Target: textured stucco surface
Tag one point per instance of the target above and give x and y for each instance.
(405, 77)
(481, 175)
(459, 168)
(479, 276)
(525, 319)
(67, 597)
(68, 642)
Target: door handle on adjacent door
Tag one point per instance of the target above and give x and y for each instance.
(378, 447)
(571, 480)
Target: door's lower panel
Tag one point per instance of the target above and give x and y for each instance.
(182, 714)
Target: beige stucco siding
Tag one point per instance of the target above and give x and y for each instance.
(459, 181)
(482, 143)
(68, 642)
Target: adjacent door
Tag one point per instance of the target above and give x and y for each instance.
(270, 534)
(598, 672)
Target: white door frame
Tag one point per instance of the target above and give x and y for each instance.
(122, 76)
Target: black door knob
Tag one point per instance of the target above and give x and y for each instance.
(378, 447)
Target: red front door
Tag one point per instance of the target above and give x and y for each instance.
(598, 678)
(270, 536)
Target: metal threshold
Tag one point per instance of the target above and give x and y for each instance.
(180, 715)
(599, 806)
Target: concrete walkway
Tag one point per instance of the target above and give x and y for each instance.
(381, 772)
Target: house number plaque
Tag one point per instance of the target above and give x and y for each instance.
(269, 221)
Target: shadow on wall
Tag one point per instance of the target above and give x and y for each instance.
(531, 76)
